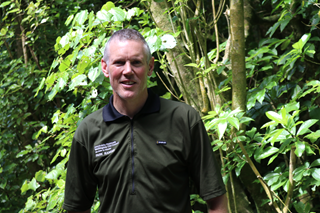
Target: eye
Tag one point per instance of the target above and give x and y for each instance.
(136, 62)
(119, 62)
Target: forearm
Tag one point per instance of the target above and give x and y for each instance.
(218, 205)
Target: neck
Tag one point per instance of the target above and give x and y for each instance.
(129, 107)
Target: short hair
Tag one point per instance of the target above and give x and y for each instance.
(123, 35)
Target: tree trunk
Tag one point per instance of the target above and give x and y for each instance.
(237, 55)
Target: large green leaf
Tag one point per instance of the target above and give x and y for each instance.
(234, 122)
(78, 80)
(222, 126)
(304, 39)
(315, 163)
(81, 17)
(274, 116)
(300, 148)
(104, 16)
(93, 73)
(304, 128)
(313, 136)
(40, 175)
(316, 174)
(33, 185)
(118, 14)
(268, 152)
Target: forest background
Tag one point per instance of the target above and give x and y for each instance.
(250, 68)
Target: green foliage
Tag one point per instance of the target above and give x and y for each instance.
(44, 98)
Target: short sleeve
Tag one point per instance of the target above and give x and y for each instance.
(203, 167)
(81, 186)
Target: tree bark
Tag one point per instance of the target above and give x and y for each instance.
(237, 55)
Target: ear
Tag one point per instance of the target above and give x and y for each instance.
(151, 66)
(104, 68)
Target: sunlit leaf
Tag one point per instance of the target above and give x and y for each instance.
(40, 175)
(222, 126)
(168, 42)
(313, 136)
(234, 122)
(33, 185)
(304, 128)
(268, 152)
(315, 163)
(300, 148)
(274, 116)
(118, 14)
(81, 17)
(79, 80)
(316, 174)
(93, 73)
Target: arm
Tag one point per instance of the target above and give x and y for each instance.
(218, 204)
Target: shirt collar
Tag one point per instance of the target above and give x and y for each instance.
(152, 105)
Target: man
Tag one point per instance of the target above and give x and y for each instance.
(140, 150)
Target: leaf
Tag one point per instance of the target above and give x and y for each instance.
(154, 43)
(40, 176)
(303, 40)
(107, 6)
(104, 16)
(5, 3)
(64, 40)
(168, 42)
(24, 187)
(79, 80)
(276, 135)
(62, 82)
(268, 152)
(260, 95)
(61, 183)
(192, 65)
(93, 73)
(272, 159)
(69, 19)
(118, 14)
(300, 147)
(274, 116)
(52, 202)
(53, 175)
(81, 17)
(316, 174)
(315, 163)
(313, 136)
(304, 128)
(234, 122)
(33, 184)
(132, 12)
(270, 123)
(301, 207)
(30, 204)
(222, 126)
(83, 64)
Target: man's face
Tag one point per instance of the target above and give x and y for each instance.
(128, 70)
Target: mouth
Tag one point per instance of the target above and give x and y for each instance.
(128, 82)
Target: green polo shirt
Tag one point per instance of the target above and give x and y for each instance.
(141, 164)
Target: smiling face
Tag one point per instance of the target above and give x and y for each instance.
(128, 70)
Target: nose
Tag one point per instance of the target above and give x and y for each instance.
(127, 69)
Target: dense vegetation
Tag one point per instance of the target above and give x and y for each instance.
(51, 79)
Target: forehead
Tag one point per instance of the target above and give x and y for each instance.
(126, 48)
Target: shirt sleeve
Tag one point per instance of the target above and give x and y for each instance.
(203, 167)
(81, 186)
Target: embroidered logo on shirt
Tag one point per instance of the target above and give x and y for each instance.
(161, 142)
(105, 149)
